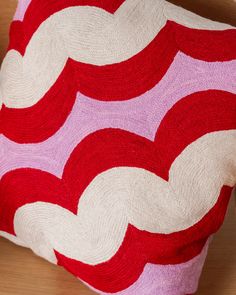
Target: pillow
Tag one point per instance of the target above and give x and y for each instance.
(118, 140)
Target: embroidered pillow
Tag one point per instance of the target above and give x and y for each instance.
(118, 140)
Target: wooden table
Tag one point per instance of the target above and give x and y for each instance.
(22, 273)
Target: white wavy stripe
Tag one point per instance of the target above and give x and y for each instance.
(86, 34)
(125, 195)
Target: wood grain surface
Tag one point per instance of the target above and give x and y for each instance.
(23, 273)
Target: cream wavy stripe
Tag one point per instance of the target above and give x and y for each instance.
(129, 195)
(86, 34)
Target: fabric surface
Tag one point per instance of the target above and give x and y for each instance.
(118, 140)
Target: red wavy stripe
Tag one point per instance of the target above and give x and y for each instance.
(189, 119)
(206, 45)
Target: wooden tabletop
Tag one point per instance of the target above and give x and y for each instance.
(22, 273)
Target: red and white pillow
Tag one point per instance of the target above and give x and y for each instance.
(118, 140)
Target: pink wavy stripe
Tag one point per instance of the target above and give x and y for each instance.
(21, 9)
(141, 115)
(179, 279)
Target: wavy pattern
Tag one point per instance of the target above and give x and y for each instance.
(99, 47)
(121, 192)
(143, 117)
(161, 249)
(125, 111)
(39, 122)
(108, 151)
(202, 107)
(63, 239)
(39, 11)
(35, 124)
